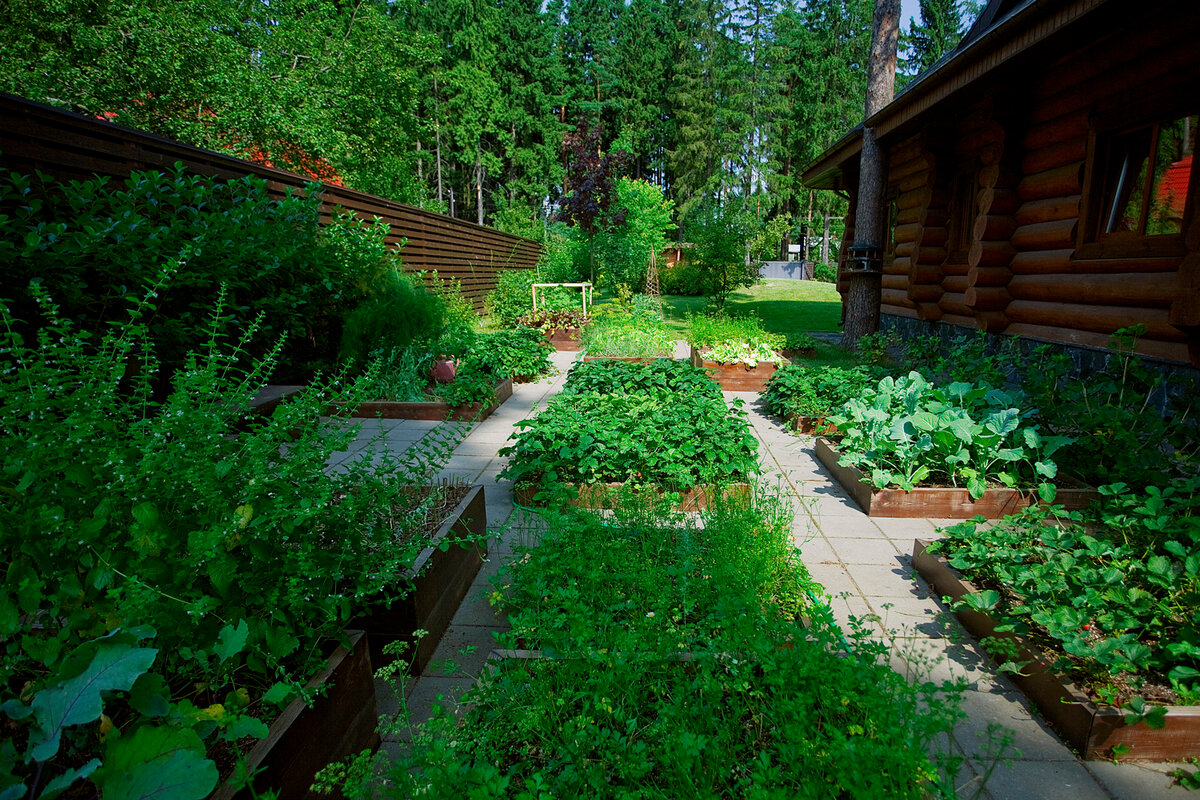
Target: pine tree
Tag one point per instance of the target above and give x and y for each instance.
(938, 33)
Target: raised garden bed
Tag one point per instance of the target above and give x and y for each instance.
(811, 426)
(943, 502)
(303, 739)
(736, 377)
(604, 495)
(564, 340)
(440, 580)
(1092, 729)
(435, 409)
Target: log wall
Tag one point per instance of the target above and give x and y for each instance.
(72, 147)
(1028, 269)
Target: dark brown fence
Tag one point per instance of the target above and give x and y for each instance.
(73, 147)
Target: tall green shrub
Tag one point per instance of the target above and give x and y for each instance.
(398, 312)
(624, 253)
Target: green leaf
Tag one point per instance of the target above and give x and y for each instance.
(244, 726)
(1047, 491)
(158, 763)
(115, 667)
(150, 695)
(982, 601)
(279, 694)
(976, 486)
(231, 640)
(63, 782)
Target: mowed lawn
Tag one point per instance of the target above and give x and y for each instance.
(784, 306)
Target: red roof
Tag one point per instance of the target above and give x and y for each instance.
(1173, 187)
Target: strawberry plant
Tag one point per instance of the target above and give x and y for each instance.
(796, 390)
(623, 377)
(1114, 590)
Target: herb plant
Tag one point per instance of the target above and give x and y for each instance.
(730, 340)
(907, 431)
(799, 391)
(617, 333)
(169, 565)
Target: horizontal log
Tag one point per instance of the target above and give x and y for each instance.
(1048, 210)
(910, 182)
(909, 232)
(897, 169)
(919, 293)
(930, 312)
(1063, 181)
(929, 255)
(1036, 262)
(908, 312)
(1096, 319)
(972, 142)
(911, 148)
(898, 266)
(955, 284)
(926, 273)
(895, 297)
(990, 254)
(894, 281)
(1141, 290)
(907, 216)
(988, 277)
(986, 299)
(933, 237)
(905, 249)
(915, 199)
(1059, 234)
(1185, 311)
(1055, 155)
(991, 321)
(965, 320)
(1071, 125)
(994, 227)
(1005, 199)
(955, 303)
(1167, 350)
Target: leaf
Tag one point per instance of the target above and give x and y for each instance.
(63, 782)
(976, 486)
(150, 695)
(156, 762)
(278, 694)
(231, 640)
(1159, 565)
(1004, 421)
(1047, 491)
(982, 601)
(243, 726)
(115, 667)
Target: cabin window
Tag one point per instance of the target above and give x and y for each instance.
(1143, 182)
(963, 209)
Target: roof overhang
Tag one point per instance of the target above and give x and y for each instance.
(1009, 36)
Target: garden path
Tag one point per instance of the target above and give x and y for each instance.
(864, 564)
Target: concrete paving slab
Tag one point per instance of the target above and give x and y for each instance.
(879, 552)
(462, 652)
(1043, 780)
(1033, 740)
(883, 581)
(817, 551)
(852, 526)
(903, 530)
(1139, 781)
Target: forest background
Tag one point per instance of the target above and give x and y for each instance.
(462, 106)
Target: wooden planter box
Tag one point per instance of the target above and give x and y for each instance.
(564, 340)
(1092, 730)
(736, 377)
(811, 426)
(603, 495)
(304, 739)
(435, 410)
(440, 580)
(942, 502)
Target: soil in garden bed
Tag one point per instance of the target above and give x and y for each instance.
(943, 502)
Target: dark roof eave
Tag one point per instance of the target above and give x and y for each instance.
(953, 74)
(826, 171)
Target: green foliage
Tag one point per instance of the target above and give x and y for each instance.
(720, 235)
(398, 312)
(618, 332)
(732, 339)
(1120, 434)
(965, 357)
(513, 296)
(765, 244)
(907, 431)
(521, 353)
(661, 376)
(226, 542)
(800, 342)
(670, 662)
(623, 254)
(815, 391)
(671, 440)
(1113, 590)
(93, 244)
(826, 273)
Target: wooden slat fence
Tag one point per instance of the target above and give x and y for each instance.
(69, 146)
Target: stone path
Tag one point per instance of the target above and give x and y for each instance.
(864, 563)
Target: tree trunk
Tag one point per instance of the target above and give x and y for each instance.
(863, 292)
(808, 228)
(437, 144)
(825, 241)
(478, 187)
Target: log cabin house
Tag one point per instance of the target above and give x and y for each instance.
(1041, 179)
